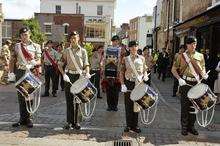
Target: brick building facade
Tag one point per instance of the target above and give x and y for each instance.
(10, 29)
(180, 18)
(57, 26)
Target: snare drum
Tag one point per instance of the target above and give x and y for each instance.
(27, 85)
(144, 95)
(84, 90)
(202, 97)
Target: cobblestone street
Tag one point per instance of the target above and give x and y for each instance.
(104, 128)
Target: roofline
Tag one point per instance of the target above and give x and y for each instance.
(60, 14)
(14, 19)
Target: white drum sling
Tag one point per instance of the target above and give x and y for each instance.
(85, 94)
(30, 88)
(147, 99)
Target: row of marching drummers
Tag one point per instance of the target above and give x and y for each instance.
(124, 70)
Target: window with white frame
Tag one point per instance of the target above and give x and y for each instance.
(6, 30)
(58, 9)
(66, 28)
(99, 10)
(95, 32)
(48, 28)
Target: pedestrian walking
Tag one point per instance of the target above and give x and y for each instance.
(163, 63)
(26, 56)
(155, 55)
(73, 70)
(128, 81)
(185, 75)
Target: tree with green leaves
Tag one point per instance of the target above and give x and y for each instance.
(89, 47)
(36, 34)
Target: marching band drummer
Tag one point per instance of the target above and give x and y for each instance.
(32, 55)
(128, 81)
(72, 74)
(185, 77)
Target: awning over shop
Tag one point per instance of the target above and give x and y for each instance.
(208, 17)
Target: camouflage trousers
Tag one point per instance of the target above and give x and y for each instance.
(3, 76)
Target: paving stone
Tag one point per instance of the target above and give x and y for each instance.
(103, 128)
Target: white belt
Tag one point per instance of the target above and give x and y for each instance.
(131, 80)
(21, 67)
(72, 72)
(189, 78)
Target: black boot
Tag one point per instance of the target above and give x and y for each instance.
(77, 126)
(29, 123)
(127, 129)
(193, 131)
(136, 129)
(54, 93)
(18, 124)
(67, 126)
(184, 132)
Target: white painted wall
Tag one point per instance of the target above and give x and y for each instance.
(144, 28)
(88, 7)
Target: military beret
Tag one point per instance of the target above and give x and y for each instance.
(132, 43)
(49, 42)
(191, 39)
(23, 30)
(115, 37)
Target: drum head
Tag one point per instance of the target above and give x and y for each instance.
(27, 84)
(139, 91)
(79, 85)
(197, 91)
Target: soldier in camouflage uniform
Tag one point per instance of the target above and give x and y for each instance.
(4, 62)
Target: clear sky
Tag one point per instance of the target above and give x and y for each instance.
(125, 9)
